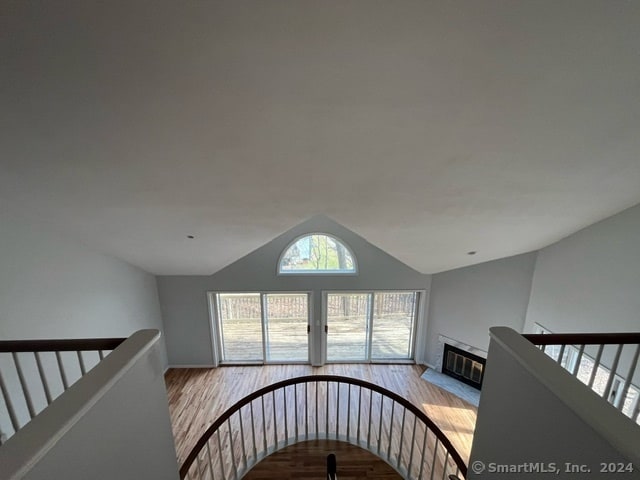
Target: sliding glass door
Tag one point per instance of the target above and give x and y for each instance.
(286, 317)
(262, 327)
(370, 326)
(240, 327)
(347, 329)
(393, 325)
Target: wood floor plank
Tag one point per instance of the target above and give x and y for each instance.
(198, 396)
(309, 460)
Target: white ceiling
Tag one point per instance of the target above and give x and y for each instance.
(431, 128)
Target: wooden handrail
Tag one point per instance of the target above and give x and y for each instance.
(65, 345)
(314, 379)
(583, 338)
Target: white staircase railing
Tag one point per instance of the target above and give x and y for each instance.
(606, 362)
(33, 373)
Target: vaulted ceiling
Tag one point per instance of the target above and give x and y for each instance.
(430, 128)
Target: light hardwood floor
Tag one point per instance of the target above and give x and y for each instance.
(198, 396)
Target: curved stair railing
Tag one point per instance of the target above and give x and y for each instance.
(323, 407)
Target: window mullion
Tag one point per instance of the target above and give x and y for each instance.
(216, 337)
(265, 328)
(220, 328)
(369, 325)
(414, 326)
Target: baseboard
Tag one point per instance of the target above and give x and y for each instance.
(189, 366)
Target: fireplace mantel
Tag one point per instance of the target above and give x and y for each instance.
(442, 339)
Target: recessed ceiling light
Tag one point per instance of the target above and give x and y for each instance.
(472, 252)
(190, 236)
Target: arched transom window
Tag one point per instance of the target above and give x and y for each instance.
(317, 253)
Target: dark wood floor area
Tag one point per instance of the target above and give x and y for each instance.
(309, 460)
(198, 396)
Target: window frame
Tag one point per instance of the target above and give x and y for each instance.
(342, 273)
(417, 315)
(217, 333)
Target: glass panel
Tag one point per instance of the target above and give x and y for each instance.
(477, 372)
(601, 379)
(630, 401)
(585, 369)
(459, 362)
(317, 253)
(287, 319)
(553, 351)
(393, 325)
(451, 357)
(347, 322)
(240, 325)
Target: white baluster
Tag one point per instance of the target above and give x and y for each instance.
(433, 461)
(23, 384)
(83, 368)
(612, 374)
(63, 375)
(244, 451)
(404, 412)
(9, 404)
(232, 450)
(209, 459)
(220, 453)
(424, 447)
(393, 406)
(413, 440)
(43, 378)
(253, 434)
(632, 370)
(576, 367)
(337, 410)
(596, 364)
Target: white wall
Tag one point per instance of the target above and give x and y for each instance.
(590, 281)
(54, 287)
(586, 282)
(532, 411)
(466, 302)
(112, 424)
(184, 298)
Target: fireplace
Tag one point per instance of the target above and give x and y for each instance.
(463, 366)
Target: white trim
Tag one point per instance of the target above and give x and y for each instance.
(419, 347)
(418, 311)
(340, 273)
(213, 328)
(190, 366)
(265, 328)
(214, 322)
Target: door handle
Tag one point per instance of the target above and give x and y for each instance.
(308, 329)
(326, 329)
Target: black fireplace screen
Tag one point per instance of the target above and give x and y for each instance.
(463, 366)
